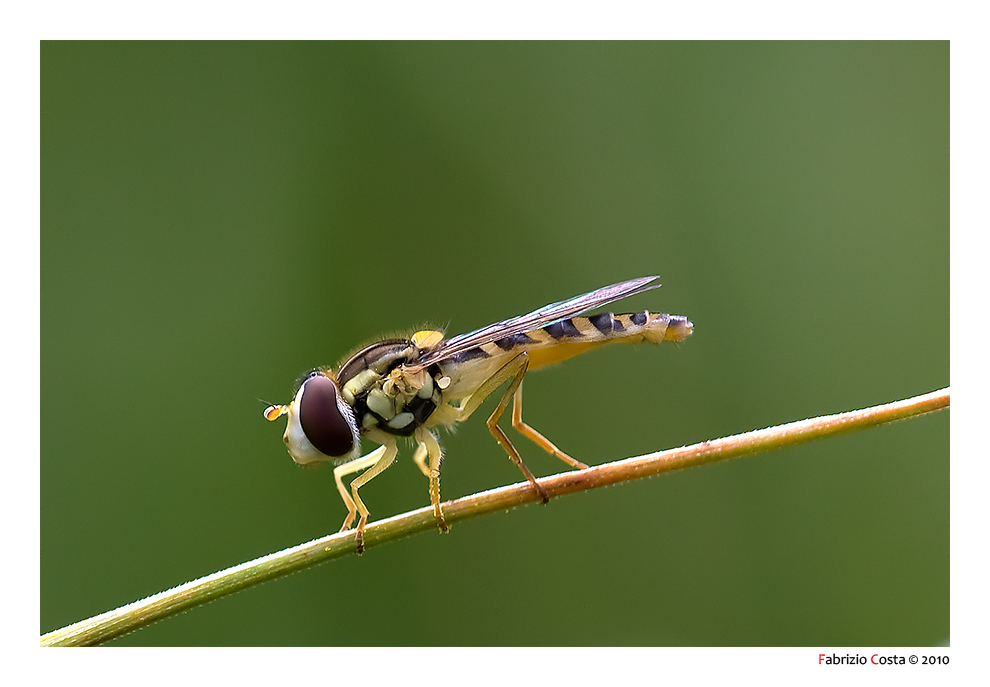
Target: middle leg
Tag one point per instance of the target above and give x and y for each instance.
(429, 446)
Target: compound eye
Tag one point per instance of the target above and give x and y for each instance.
(322, 419)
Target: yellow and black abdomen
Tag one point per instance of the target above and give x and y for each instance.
(560, 341)
(573, 336)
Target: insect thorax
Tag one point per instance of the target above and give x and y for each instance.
(384, 394)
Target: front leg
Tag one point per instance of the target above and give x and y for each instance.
(378, 460)
(355, 465)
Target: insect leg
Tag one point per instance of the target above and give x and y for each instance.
(515, 369)
(535, 436)
(429, 446)
(355, 465)
(420, 458)
(378, 459)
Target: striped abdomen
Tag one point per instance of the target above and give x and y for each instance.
(560, 341)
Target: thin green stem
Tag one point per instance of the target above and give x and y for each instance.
(106, 626)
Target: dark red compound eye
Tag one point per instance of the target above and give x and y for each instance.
(322, 420)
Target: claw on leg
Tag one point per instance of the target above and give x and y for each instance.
(359, 534)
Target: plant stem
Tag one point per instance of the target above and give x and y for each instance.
(106, 626)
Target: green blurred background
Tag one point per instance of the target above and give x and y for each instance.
(219, 217)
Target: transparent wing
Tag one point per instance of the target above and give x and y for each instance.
(542, 317)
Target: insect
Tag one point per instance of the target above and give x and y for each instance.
(407, 387)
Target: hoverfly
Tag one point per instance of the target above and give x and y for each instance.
(407, 387)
